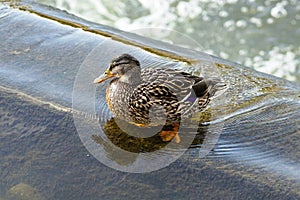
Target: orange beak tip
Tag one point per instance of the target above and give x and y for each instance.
(97, 80)
(102, 78)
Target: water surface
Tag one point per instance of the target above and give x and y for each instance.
(259, 34)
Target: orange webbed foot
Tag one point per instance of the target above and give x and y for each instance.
(168, 135)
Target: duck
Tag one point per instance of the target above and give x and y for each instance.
(155, 96)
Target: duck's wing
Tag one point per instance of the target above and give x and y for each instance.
(184, 85)
(175, 81)
(183, 88)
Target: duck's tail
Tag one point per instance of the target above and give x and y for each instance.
(216, 87)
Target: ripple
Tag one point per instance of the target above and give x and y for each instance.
(261, 134)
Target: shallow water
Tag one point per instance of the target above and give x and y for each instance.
(246, 146)
(259, 34)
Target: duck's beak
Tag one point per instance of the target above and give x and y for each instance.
(107, 75)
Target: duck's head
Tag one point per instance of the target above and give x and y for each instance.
(124, 67)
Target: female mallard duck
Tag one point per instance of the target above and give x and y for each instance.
(155, 96)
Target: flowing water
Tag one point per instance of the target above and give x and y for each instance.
(259, 34)
(246, 142)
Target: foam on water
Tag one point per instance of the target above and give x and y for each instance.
(234, 30)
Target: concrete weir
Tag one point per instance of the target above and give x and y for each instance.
(58, 140)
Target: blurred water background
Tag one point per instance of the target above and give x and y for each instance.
(264, 35)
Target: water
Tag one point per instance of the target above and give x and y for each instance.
(255, 151)
(259, 34)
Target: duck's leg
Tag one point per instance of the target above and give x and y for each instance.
(168, 135)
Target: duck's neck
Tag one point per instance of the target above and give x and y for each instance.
(132, 77)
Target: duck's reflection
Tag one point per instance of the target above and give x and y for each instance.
(126, 136)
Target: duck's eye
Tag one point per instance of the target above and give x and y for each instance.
(112, 65)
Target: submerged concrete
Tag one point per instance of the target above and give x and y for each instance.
(42, 51)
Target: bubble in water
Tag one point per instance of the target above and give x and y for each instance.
(224, 55)
(244, 9)
(229, 25)
(278, 11)
(256, 21)
(270, 20)
(232, 1)
(241, 23)
(261, 53)
(242, 52)
(261, 8)
(223, 13)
